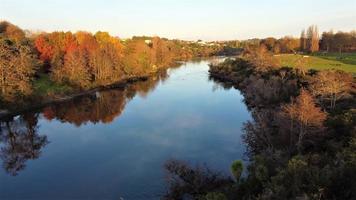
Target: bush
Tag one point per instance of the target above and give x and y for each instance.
(236, 169)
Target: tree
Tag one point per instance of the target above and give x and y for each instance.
(106, 65)
(303, 41)
(341, 40)
(87, 42)
(45, 50)
(269, 43)
(327, 40)
(17, 68)
(313, 39)
(236, 169)
(55, 44)
(262, 60)
(289, 44)
(277, 48)
(74, 71)
(11, 31)
(138, 58)
(304, 113)
(301, 65)
(332, 85)
(106, 61)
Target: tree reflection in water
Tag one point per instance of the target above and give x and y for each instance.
(19, 137)
(103, 108)
(19, 142)
(187, 182)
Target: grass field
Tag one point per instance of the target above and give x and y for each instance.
(346, 62)
(44, 86)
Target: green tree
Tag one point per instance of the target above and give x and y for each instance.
(236, 169)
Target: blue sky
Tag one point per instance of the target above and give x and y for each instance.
(183, 19)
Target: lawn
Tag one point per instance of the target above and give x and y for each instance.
(43, 86)
(346, 62)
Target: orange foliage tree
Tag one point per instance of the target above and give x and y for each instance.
(304, 116)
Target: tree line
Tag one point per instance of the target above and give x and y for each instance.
(338, 42)
(83, 60)
(310, 41)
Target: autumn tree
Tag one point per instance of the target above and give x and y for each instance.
(332, 85)
(277, 48)
(269, 43)
(11, 31)
(106, 62)
(286, 44)
(17, 68)
(75, 70)
(305, 115)
(289, 44)
(53, 46)
(44, 48)
(139, 57)
(262, 59)
(313, 39)
(87, 42)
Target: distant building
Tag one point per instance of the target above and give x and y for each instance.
(201, 42)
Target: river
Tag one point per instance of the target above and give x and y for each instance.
(114, 144)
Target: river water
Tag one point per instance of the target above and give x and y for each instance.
(114, 144)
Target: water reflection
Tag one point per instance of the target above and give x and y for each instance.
(102, 107)
(115, 144)
(19, 142)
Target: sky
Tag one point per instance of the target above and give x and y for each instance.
(182, 19)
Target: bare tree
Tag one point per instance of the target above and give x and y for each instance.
(332, 85)
(301, 65)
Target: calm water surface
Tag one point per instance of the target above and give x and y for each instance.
(116, 145)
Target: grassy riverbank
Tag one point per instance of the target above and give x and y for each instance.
(345, 62)
(47, 92)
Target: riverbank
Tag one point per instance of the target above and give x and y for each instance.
(48, 92)
(345, 62)
(45, 101)
(298, 131)
(134, 120)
